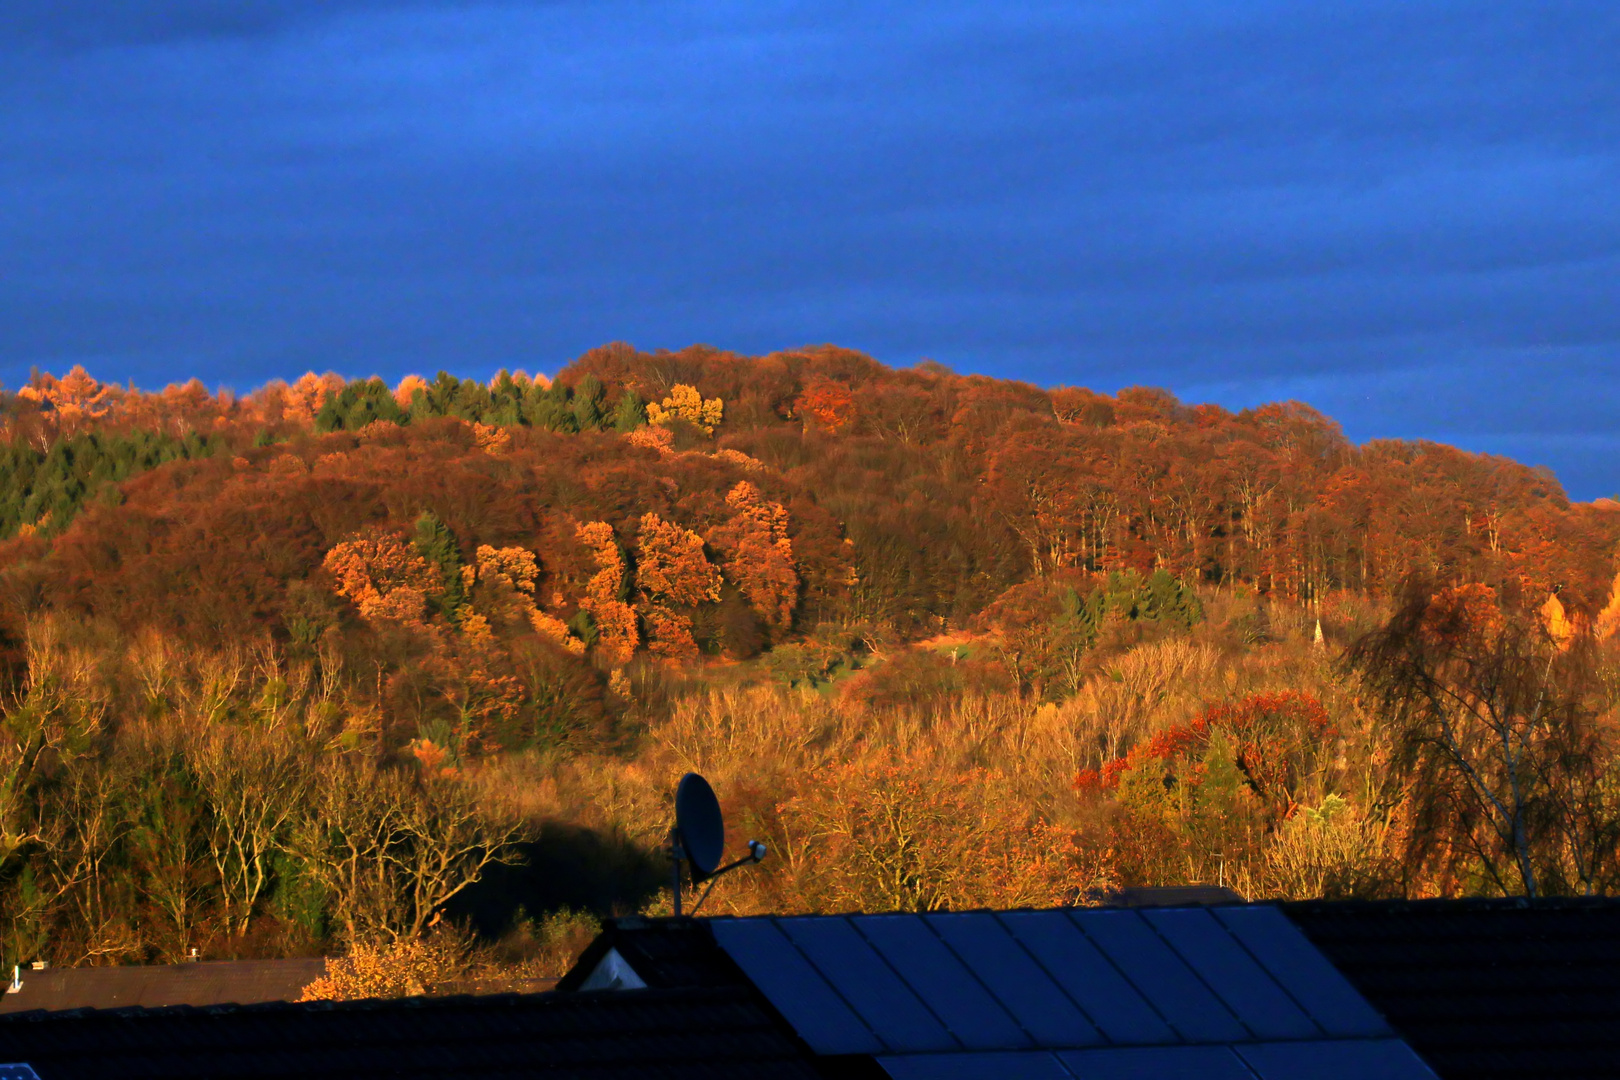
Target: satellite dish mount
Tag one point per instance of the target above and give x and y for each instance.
(699, 839)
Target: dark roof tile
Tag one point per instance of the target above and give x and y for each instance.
(700, 1032)
(152, 986)
(1485, 988)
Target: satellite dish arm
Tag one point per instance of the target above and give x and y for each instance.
(756, 853)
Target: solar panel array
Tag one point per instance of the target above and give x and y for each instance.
(1360, 1059)
(1107, 993)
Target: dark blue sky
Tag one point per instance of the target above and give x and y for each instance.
(1406, 214)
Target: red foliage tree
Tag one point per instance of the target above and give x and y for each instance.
(1278, 739)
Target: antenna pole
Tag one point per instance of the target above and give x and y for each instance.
(675, 863)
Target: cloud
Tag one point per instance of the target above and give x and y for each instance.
(75, 25)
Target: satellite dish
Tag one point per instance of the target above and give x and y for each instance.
(700, 831)
(699, 839)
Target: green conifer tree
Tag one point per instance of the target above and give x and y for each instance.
(629, 413)
(437, 544)
(588, 404)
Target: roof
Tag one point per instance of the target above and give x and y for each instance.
(701, 1033)
(1315, 991)
(1485, 988)
(664, 953)
(205, 982)
(1223, 991)
(1171, 896)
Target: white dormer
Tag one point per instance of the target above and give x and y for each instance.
(613, 972)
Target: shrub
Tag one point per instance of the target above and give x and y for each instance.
(405, 968)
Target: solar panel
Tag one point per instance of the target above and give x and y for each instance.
(943, 983)
(1356, 1059)
(983, 1065)
(798, 992)
(947, 996)
(1302, 970)
(1094, 984)
(1155, 1063)
(1017, 981)
(873, 990)
(21, 1071)
(1232, 973)
(1162, 976)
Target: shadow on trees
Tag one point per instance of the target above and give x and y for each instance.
(569, 866)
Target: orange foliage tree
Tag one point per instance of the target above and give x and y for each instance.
(1461, 612)
(515, 571)
(758, 556)
(74, 397)
(310, 392)
(671, 566)
(671, 569)
(383, 575)
(657, 439)
(514, 567)
(407, 388)
(830, 405)
(617, 634)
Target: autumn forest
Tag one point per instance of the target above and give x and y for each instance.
(339, 666)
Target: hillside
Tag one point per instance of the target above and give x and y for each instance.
(298, 667)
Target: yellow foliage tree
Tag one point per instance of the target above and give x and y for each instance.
(1556, 621)
(491, 438)
(514, 566)
(406, 968)
(685, 403)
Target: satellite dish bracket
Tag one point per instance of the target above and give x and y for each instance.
(756, 854)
